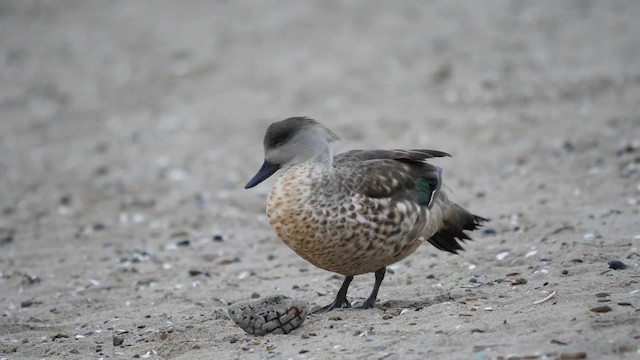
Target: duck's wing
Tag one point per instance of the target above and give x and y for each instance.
(404, 176)
(416, 155)
(395, 174)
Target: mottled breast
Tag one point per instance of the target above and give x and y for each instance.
(340, 230)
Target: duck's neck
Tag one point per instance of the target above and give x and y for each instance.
(324, 157)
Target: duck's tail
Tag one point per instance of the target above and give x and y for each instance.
(455, 220)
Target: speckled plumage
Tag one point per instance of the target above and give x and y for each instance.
(359, 211)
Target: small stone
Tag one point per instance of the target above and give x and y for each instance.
(118, 340)
(601, 309)
(568, 146)
(184, 242)
(335, 318)
(303, 351)
(602, 295)
(386, 317)
(617, 265)
(218, 238)
(255, 295)
(577, 261)
(194, 272)
(26, 303)
(6, 236)
(565, 272)
(519, 281)
(489, 232)
(573, 356)
(61, 335)
(74, 351)
(234, 340)
(32, 279)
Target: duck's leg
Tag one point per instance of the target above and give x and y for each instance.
(371, 300)
(341, 297)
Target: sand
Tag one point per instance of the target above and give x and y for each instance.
(128, 130)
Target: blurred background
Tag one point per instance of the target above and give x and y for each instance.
(189, 85)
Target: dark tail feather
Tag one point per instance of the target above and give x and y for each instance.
(456, 221)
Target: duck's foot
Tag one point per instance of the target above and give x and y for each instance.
(371, 300)
(334, 305)
(340, 300)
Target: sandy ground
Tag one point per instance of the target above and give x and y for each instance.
(128, 129)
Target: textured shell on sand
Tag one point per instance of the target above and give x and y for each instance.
(276, 314)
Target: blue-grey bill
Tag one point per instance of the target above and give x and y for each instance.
(267, 169)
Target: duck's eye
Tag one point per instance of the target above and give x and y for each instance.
(277, 137)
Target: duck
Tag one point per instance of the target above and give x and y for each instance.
(359, 211)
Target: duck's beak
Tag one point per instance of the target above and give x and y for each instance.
(267, 169)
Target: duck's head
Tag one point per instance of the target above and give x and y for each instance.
(293, 141)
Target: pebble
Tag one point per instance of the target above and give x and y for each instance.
(61, 335)
(6, 236)
(489, 232)
(194, 272)
(118, 340)
(26, 303)
(573, 356)
(602, 295)
(601, 309)
(617, 265)
(218, 238)
(276, 314)
(32, 279)
(184, 242)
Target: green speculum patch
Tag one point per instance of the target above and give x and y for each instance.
(423, 191)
